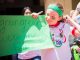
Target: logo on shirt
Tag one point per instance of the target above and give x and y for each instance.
(58, 41)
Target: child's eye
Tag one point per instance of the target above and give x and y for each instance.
(52, 16)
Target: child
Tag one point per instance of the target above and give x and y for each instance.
(27, 11)
(76, 16)
(60, 31)
(31, 55)
(76, 50)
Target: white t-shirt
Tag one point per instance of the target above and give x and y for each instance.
(62, 52)
(62, 49)
(77, 19)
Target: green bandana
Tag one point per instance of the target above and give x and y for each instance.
(55, 8)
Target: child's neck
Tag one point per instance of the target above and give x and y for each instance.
(56, 24)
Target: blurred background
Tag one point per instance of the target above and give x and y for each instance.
(14, 7)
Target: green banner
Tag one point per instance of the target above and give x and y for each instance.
(23, 33)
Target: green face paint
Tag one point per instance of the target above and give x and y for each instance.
(53, 18)
(56, 8)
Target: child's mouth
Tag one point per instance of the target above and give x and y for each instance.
(53, 18)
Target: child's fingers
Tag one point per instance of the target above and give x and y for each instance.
(34, 15)
(40, 12)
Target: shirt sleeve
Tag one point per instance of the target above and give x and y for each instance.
(73, 29)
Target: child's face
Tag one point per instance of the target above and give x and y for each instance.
(52, 17)
(27, 12)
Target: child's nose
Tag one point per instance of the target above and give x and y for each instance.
(47, 18)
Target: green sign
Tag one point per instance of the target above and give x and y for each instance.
(23, 33)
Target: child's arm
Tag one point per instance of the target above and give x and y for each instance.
(74, 23)
(35, 15)
(76, 30)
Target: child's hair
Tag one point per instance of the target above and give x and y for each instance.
(77, 42)
(61, 7)
(58, 8)
(25, 9)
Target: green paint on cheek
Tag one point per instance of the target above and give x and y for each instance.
(53, 18)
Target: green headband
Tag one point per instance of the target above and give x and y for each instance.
(56, 8)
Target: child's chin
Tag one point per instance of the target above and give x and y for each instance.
(51, 23)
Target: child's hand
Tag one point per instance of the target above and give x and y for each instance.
(68, 19)
(77, 34)
(35, 15)
(78, 50)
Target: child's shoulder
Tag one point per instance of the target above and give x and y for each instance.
(64, 23)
